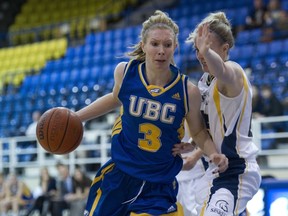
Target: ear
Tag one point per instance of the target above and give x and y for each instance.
(142, 46)
(225, 47)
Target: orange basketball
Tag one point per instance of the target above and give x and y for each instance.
(59, 130)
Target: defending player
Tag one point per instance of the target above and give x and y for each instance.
(226, 105)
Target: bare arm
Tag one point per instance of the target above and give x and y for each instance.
(196, 123)
(106, 103)
(199, 132)
(228, 73)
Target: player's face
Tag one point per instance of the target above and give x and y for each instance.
(159, 48)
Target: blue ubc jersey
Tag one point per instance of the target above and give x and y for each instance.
(150, 123)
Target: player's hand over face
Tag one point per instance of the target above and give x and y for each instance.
(203, 41)
(220, 160)
(183, 147)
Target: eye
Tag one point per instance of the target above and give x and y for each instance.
(168, 45)
(154, 43)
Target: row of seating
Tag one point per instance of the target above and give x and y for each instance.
(236, 14)
(18, 61)
(77, 14)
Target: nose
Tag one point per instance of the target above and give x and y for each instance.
(161, 50)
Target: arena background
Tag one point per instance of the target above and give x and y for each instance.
(62, 53)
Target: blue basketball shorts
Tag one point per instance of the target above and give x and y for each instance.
(114, 193)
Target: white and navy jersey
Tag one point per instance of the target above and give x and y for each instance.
(228, 119)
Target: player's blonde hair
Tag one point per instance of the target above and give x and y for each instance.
(159, 20)
(219, 25)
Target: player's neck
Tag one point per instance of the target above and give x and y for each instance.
(158, 78)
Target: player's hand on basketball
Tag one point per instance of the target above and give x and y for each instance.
(183, 147)
(203, 41)
(220, 160)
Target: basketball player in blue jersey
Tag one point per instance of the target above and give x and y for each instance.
(226, 106)
(155, 100)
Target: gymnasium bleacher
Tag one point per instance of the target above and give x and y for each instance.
(63, 53)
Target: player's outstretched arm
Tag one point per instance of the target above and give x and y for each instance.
(106, 103)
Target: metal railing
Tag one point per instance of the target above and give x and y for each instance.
(25, 152)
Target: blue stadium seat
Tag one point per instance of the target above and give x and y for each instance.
(185, 11)
(245, 63)
(255, 35)
(64, 76)
(58, 65)
(118, 34)
(109, 35)
(283, 59)
(67, 64)
(183, 22)
(243, 37)
(275, 47)
(246, 51)
(79, 51)
(54, 78)
(74, 76)
(77, 62)
(118, 47)
(284, 5)
(88, 50)
(87, 61)
(50, 65)
(235, 54)
(285, 46)
(90, 38)
(27, 105)
(261, 50)
(240, 15)
(270, 61)
(84, 75)
(70, 53)
(257, 63)
(175, 13)
(29, 84)
(99, 37)
(108, 47)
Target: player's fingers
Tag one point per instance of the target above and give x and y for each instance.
(222, 164)
(200, 31)
(221, 161)
(205, 29)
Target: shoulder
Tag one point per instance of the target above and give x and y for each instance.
(236, 72)
(193, 90)
(120, 67)
(119, 71)
(194, 97)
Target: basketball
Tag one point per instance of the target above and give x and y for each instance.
(59, 131)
